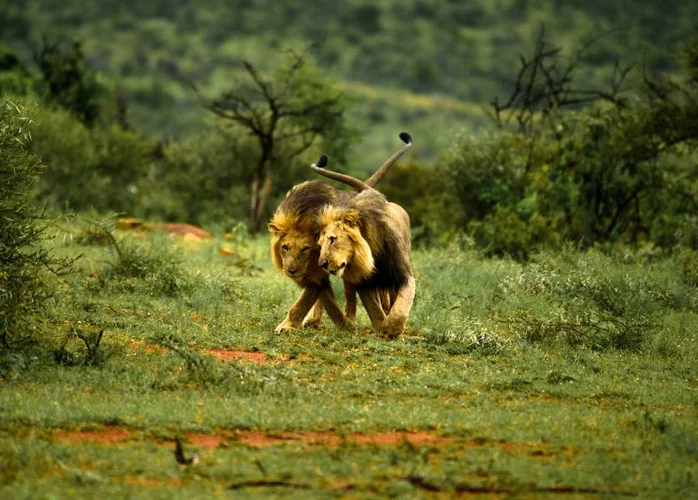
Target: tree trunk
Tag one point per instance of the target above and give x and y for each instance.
(264, 196)
(254, 202)
(261, 196)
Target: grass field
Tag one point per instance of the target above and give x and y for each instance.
(573, 374)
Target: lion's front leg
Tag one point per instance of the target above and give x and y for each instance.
(298, 311)
(312, 319)
(394, 324)
(335, 313)
(386, 300)
(350, 301)
(372, 303)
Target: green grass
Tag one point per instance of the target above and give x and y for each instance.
(574, 373)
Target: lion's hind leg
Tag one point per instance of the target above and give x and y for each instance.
(350, 302)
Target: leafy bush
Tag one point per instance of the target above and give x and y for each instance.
(428, 198)
(22, 290)
(15, 78)
(89, 168)
(623, 171)
(201, 179)
(67, 81)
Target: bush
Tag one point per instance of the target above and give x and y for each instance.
(621, 170)
(428, 197)
(22, 290)
(600, 175)
(97, 168)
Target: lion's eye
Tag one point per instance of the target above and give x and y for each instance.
(332, 239)
(284, 248)
(305, 249)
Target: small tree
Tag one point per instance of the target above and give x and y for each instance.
(286, 114)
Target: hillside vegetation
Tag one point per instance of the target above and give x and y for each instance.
(153, 50)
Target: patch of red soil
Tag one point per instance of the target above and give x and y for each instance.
(232, 355)
(137, 344)
(201, 440)
(327, 438)
(109, 436)
(187, 232)
(210, 441)
(150, 482)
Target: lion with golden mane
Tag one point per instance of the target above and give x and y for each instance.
(366, 241)
(295, 228)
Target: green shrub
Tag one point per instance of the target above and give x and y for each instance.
(428, 197)
(152, 265)
(621, 170)
(89, 168)
(68, 83)
(22, 260)
(601, 175)
(200, 180)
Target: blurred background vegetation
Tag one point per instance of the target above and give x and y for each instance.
(536, 124)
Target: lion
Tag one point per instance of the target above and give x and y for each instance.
(294, 251)
(294, 231)
(366, 241)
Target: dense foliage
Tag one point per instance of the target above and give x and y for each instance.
(576, 163)
(155, 49)
(22, 291)
(619, 171)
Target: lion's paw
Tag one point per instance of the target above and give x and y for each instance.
(392, 329)
(311, 323)
(285, 327)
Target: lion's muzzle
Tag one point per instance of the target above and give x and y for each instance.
(336, 270)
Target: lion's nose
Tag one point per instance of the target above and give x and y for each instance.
(292, 269)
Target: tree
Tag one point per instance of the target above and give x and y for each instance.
(286, 114)
(69, 82)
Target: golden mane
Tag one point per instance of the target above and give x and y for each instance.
(363, 263)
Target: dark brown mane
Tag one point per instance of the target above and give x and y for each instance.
(391, 268)
(307, 198)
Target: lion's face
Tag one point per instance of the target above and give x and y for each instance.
(343, 250)
(336, 248)
(296, 253)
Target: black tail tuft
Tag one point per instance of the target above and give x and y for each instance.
(406, 138)
(322, 162)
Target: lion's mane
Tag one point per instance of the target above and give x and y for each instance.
(381, 257)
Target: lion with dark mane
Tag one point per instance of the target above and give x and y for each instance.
(366, 241)
(295, 229)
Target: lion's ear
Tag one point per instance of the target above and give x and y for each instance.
(351, 218)
(273, 228)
